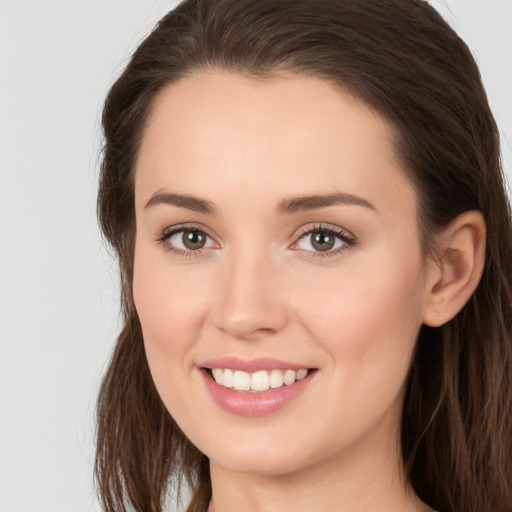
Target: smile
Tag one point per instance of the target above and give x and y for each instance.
(255, 387)
(258, 381)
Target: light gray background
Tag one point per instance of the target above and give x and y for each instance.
(58, 285)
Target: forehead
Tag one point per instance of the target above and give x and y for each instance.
(265, 138)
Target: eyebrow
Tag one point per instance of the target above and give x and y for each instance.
(193, 203)
(304, 203)
(286, 206)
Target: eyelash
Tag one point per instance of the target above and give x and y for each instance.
(169, 232)
(344, 236)
(347, 238)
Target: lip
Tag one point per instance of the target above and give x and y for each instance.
(252, 365)
(244, 403)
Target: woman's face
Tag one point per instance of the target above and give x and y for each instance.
(276, 231)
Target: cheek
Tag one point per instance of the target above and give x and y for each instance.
(170, 307)
(368, 323)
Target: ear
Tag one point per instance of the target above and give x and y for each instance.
(455, 273)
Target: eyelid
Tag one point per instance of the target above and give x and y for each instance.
(322, 226)
(175, 228)
(163, 236)
(348, 239)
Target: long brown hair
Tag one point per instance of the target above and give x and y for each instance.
(403, 60)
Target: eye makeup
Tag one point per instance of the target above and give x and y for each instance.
(324, 240)
(193, 241)
(317, 240)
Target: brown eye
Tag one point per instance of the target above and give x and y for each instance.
(322, 240)
(193, 239)
(187, 240)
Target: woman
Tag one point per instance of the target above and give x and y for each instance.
(316, 262)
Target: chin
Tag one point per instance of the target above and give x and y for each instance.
(272, 465)
(265, 458)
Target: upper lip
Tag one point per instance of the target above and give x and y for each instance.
(251, 365)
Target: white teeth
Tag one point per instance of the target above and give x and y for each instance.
(218, 375)
(257, 381)
(289, 377)
(242, 381)
(228, 378)
(260, 381)
(276, 378)
(301, 374)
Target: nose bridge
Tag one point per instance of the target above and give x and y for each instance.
(250, 303)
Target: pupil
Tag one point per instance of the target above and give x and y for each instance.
(193, 239)
(323, 241)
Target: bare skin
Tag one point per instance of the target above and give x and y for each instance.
(259, 287)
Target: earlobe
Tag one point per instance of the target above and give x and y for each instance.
(457, 270)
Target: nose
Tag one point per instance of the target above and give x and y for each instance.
(251, 303)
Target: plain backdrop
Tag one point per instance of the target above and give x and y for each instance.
(59, 312)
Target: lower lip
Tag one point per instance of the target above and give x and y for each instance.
(244, 403)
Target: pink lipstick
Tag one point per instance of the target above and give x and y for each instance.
(255, 387)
